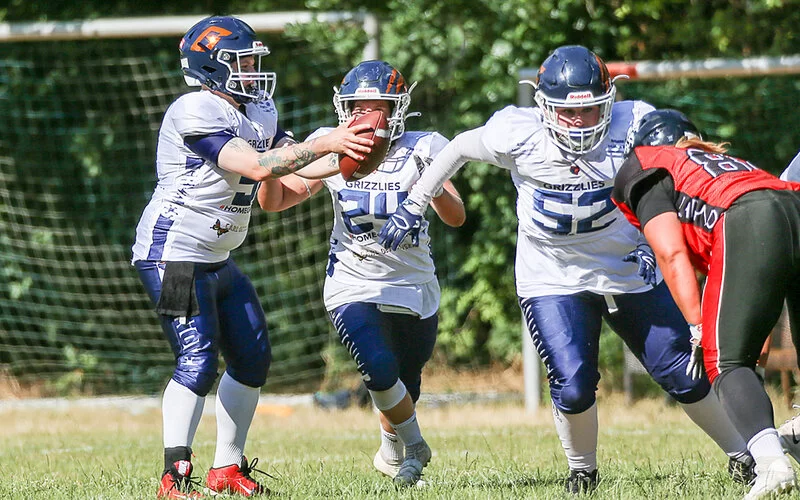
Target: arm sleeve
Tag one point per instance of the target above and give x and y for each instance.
(652, 196)
(466, 146)
(208, 146)
(282, 138)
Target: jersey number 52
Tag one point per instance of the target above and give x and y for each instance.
(563, 212)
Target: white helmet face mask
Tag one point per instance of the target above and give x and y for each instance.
(257, 85)
(400, 103)
(577, 140)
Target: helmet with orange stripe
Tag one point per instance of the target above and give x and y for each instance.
(374, 80)
(222, 53)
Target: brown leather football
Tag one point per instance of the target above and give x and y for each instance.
(379, 134)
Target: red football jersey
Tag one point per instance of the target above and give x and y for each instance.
(706, 184)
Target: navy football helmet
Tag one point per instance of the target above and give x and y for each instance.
(375, 80)
(661, 127)
(212, 54)
(574, 77)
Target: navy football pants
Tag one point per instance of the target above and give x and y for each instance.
(231, 321)
(386, 346)
(566, 333)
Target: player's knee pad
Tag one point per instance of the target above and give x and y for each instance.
(389, 398)
(414, 389)
(575, 397)
(254, 372)
(378, 369)
(198, 373)
(683, 388)
(692, 394)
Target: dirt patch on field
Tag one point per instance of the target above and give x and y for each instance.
(500, 379)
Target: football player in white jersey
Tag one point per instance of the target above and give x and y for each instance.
(577, 261)
(215, 147)
(383, 303)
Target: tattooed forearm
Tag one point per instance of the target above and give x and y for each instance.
(239, 144)
(279, 166)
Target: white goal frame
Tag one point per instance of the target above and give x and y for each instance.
(140, 27)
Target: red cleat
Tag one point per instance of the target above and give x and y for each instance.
(176, 483)
(235, 479)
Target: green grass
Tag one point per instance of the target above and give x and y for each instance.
(648, 451)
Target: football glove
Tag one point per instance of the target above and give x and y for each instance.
(695, 368)
(406, 220)
(643, 255)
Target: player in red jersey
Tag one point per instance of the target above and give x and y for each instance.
(703, 210)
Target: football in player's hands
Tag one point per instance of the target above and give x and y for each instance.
(379, 134)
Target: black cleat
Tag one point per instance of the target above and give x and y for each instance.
(743, 469)
(581, 481)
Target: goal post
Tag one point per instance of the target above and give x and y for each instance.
(138, 27)
(706, 68)
(655, 75)
(82, 103)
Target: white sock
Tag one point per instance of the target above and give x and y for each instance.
(181, 410)
(765, 444)
(709, 415)
(392, 449)
(578, 434)
(409, 431)
(236, 405)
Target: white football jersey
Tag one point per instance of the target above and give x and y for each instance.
(792, 172)
(199, 212)
(360, 269)
(571, 237)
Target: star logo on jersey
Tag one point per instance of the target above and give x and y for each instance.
(219, 229)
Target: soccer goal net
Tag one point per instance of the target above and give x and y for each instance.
(77, 150)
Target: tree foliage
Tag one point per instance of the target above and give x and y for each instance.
(467, 54)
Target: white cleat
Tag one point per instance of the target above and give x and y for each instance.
(789, 434)
(386, 467)
(773, 477)
(417, 457)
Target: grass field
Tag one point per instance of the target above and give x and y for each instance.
(648, 450)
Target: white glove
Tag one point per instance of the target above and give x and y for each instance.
(695, 368)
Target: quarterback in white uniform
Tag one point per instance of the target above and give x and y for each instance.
(215, 148)
(578, 260)
(382, 302)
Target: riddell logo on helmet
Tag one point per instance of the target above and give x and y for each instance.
(366, 92)
(579, 96)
